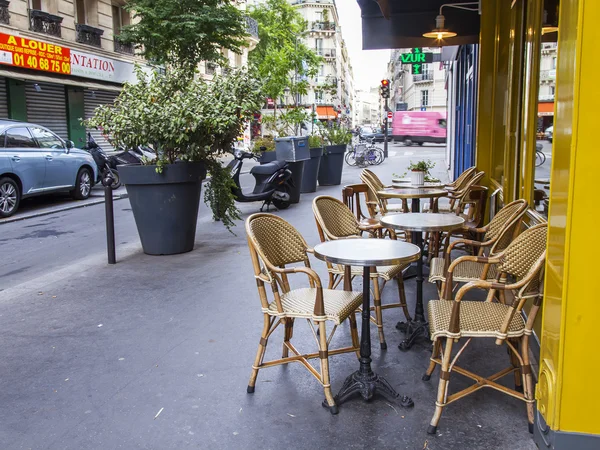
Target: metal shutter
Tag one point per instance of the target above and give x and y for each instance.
(3, 99)
(48, 107)
(93, 99)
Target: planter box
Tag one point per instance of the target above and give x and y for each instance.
(311, 171)
(292, 148)
(267, 157)
(165, 205)
(332, 164)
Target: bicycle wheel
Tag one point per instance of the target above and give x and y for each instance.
(349, 158)
(540, 158)
(380, 156)
(371, 157)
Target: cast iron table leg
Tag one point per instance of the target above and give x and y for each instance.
(411, 271)
(418, 326)
(364, 381)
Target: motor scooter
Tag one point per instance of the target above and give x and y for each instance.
(273, 182)
(106, 164)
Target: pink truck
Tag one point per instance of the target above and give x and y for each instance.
(418, 127)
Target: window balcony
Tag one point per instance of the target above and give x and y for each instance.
(4, 14)
(423, 78)
(43, 22)
(548, 75)
(122, 47)
(322, 26)
(325, 52)
(88, 35)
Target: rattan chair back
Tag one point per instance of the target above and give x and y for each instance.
(523, 258)
(505, 225)
(459, 199)
(277, 242)
(334, 218)
(462, 178)
(355, 194)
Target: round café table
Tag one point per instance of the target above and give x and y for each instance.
(405, 183)
(419, 223)
(415, 194)
(367, 253)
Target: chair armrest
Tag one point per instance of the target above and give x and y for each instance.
(319, 309)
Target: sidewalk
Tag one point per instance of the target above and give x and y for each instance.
(156, 352)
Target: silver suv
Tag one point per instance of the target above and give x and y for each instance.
(35, 161)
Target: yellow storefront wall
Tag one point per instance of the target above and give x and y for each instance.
(507, 109)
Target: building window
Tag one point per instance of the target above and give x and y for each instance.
(80, 11)
(553, 63)
(425, 97)
(552, 88)
(120, 18)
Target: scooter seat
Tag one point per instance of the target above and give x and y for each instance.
(269, 168)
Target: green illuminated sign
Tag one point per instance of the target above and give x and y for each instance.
(417, 58)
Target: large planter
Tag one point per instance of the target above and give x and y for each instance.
(267, 157)
(311, 171)
(332, 164)
(165, 205)
(297, 169)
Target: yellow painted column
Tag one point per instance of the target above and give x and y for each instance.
(568, 389)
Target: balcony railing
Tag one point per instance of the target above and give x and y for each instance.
(326, 52)
(43, 22)
(88, 35)
(325, 80)
(251, 26)
(322, 26)
(549, 74)
(4, 14)
(426, 76)
(123, 47)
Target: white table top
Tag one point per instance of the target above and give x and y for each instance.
(422, 221)
(367, 252)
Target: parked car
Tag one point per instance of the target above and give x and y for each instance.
(35, 161)
(374, 133)
(549, 132)
(418, 127)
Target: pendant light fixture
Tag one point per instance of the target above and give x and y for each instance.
(440, 32)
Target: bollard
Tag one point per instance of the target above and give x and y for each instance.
(110, 218)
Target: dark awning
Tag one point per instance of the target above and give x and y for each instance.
(409, 19)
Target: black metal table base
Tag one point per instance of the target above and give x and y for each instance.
(413, 329)
(367, 384)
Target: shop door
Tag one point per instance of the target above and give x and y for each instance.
(3, 99)
(47, 106)
(93, 99)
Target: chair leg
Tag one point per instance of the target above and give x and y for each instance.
(324, 357)
(514, 360)
(287, 335)
(434, 354)
(378, 314)
(354, 333)
(262, 346)
(442, 387)
(527, 380)
(402, 295)
(331, 280)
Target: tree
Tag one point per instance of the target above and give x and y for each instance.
(281, 59)
(182, 33)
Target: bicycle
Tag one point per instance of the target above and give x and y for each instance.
(540, 156)
(364, 154)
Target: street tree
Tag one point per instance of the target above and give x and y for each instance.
(281, 60)
(182, 33)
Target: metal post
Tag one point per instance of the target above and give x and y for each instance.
(385, 131)
(110, 219)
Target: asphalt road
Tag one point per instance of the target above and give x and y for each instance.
(38, 246)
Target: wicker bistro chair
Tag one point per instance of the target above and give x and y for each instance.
(521, 263)
(460, 198)
(462, 178)
(497, 235)
(335, 221)
(274, 244)
(351, 196)
(374, 185)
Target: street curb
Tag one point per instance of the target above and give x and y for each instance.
(54, 211)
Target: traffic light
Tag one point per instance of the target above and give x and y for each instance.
(385, 88)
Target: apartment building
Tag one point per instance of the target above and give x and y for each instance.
(331, 91)
(60, 59)
(423, 92)
(547, 85)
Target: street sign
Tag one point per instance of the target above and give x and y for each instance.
(416, 56)
(423, 108)
(390, 114)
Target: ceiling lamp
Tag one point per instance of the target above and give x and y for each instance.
(439, 32)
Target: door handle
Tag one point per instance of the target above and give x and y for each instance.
(16, 158)
(49, 157)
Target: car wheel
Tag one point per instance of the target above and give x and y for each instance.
(83, 184)
(10, 196)
(407, 142)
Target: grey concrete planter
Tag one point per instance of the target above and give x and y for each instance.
(165, 205)
(332, 164)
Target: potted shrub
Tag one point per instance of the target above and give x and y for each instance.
(419, 172)
(264, 147)
(336, 139)
(189, 123)
(311, 167)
